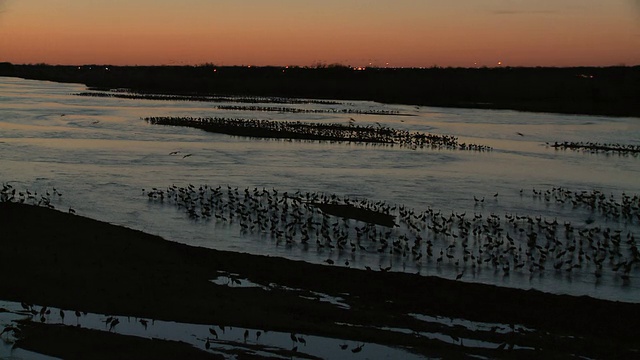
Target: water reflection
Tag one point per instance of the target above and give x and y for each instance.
(216, 338)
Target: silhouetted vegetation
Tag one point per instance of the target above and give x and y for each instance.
(581, 90)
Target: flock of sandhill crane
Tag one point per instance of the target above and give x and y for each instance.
(9, 194)
(209, 98)
(318, 131)
(463, 242)
(598, 147)
(281, 109)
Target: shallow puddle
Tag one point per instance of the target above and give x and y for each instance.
(471, 325)
(224, 340)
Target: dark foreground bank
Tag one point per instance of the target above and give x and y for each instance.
(71, 262)
(611, 91)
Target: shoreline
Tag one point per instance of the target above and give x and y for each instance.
(607, 91)
(72, 262)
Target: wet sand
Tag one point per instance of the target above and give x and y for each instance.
(67, 261)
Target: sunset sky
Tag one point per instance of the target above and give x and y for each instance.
(407, 33)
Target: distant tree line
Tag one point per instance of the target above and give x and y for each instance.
(580, 90)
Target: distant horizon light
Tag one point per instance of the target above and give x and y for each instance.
(404, 33)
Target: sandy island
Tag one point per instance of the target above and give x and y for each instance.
(67, 261)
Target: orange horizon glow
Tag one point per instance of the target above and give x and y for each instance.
(401, 33)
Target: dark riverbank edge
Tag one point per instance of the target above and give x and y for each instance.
(71, 342)
(62, 260)
(610, 91)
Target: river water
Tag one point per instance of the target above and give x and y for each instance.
(100, 154)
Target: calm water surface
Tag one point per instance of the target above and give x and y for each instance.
(100, 154)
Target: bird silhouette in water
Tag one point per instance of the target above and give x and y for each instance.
(10, 328)
(25, 306)
(519, 133)
(186, 156)
(113, 324)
